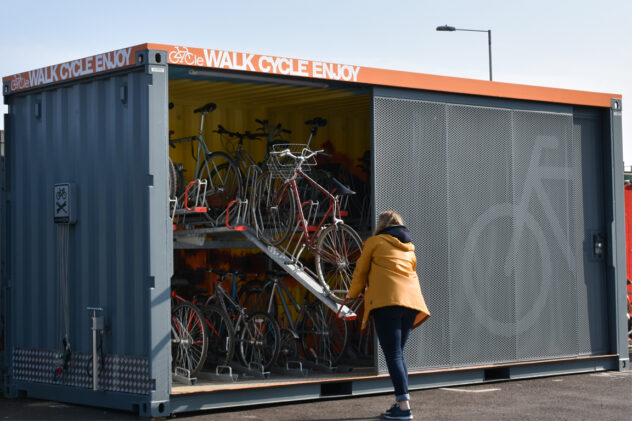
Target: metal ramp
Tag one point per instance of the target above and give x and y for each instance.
(245, 237)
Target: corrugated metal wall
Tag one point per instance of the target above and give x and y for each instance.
(94, 134)
(499, 203)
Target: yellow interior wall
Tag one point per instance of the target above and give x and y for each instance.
(240, 103)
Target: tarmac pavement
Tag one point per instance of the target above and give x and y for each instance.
(599, 396)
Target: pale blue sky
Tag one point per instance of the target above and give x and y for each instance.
(578, 44)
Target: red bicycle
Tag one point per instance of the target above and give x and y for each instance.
(277, 211)
(189, 339)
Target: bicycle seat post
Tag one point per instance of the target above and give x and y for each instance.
(311, 135)
(202, 122)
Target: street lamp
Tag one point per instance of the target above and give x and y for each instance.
(446, 28)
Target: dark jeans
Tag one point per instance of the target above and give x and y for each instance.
(393, 325)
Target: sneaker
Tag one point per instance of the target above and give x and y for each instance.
(396, 413)
(389, 410)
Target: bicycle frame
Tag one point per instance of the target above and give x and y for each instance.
(282, 293)
(250, 169)
(207, 168)
(202, 150)
(333, 209)
(222, 297)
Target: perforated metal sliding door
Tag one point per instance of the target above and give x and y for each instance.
(491, 197)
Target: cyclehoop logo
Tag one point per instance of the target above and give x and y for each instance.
(521, 219)
(20, 83)
(182, 55)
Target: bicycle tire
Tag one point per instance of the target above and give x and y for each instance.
(338, 247)
(172, 179)
(221, 334)
(259, 341)
(189, 341)
(273, 211)
(288, 347)
(323, 335)
(224, 185)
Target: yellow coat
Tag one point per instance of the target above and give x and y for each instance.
(387, 269)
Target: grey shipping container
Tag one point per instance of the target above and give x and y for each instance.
(513, 194)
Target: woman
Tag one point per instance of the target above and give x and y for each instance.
(386, 272)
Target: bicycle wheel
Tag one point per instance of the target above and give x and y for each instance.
(173, 177)
(189, 342)
(288, 349)
(323, 335)
(260, 340)
(221, 335)
(224, 185)
(338, 247)
(272, 209)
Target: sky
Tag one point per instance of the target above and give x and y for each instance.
(578, 44)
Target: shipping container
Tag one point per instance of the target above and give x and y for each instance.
(513, 195)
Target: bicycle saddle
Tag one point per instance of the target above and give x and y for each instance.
(206, 108)
(317, 121)
(179, 281)
(341, 189)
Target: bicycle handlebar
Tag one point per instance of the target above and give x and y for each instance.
(265, 127)
(181, 140)
(302, 156)
(223, 273)
(246, 135)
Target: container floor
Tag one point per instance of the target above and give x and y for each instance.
(208, 383)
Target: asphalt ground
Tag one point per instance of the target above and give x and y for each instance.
(594, 396)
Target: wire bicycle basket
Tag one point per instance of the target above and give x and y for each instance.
(283, 166)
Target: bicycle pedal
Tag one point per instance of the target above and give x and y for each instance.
(200, 209)
(241, 228)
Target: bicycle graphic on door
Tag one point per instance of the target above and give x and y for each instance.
(521, 219)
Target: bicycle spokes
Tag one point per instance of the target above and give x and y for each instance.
(338, 248)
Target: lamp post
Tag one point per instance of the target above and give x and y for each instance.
(446, 28)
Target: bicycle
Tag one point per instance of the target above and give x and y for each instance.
(216, 179)
(249, 168)
(519, 214)
(277, 211)
(322, 336)
(255, 334)
(189, 341)
(245, 161)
